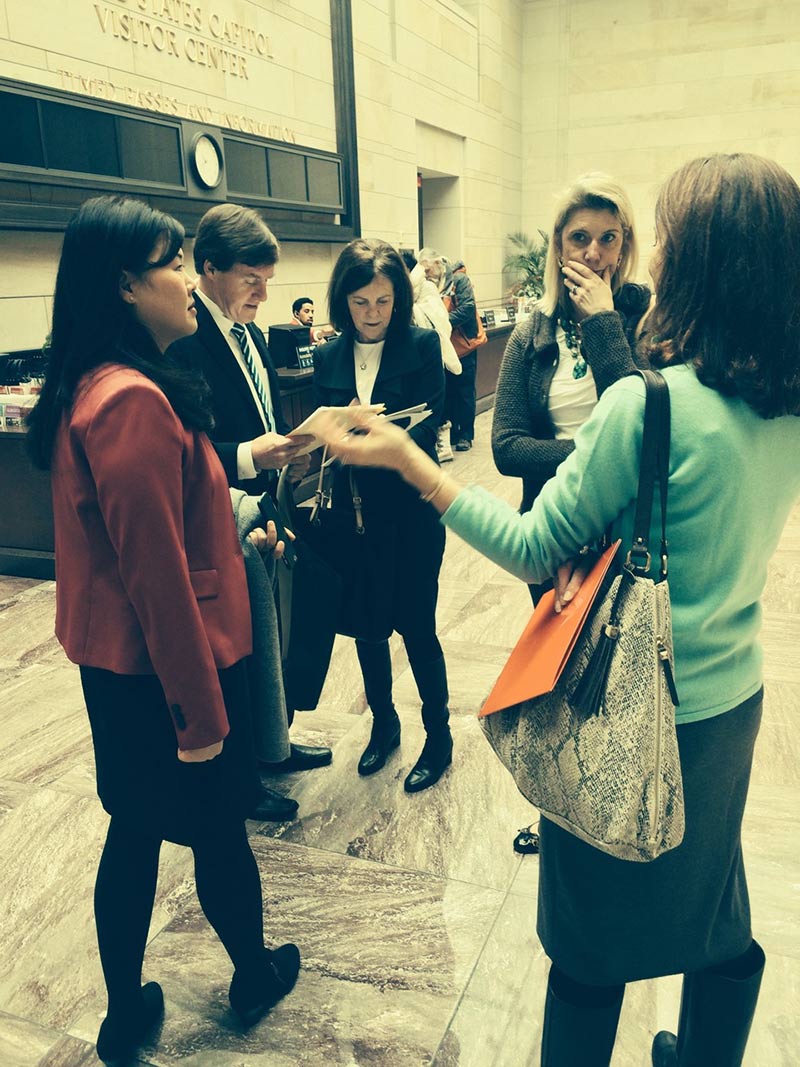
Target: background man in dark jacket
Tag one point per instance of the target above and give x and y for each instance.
(459, 296)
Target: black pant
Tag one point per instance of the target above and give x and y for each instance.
(460, 399)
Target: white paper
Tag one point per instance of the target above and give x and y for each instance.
(344, 415)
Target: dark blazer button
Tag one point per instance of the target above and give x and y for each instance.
(178, 716)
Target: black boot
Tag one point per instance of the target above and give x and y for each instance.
(253, 994)
(579, 1035)
(717, 1008)
(383, 740)
(376, 669)
(437, 753)
(121, 1034)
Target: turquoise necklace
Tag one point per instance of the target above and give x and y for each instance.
(572, 335)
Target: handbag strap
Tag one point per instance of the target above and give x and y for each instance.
(653, 465)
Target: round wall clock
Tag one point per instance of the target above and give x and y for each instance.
(207, 160)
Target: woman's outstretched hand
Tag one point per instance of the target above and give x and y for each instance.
(372, 441)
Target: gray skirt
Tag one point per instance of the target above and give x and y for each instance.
(605, 921)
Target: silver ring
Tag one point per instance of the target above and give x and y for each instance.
(574, 289)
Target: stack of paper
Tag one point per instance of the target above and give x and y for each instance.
(344, 415)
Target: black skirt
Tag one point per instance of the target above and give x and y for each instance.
(140, 779)
(604, 921)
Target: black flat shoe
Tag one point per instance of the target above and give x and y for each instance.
(436, 757)
(526, 842)
(120, 1036)
(301, 758)
(273, 807)
(665, 1049)
(252, 997)
(381, 744)
(463, 445)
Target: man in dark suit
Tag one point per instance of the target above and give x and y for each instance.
(235, 254)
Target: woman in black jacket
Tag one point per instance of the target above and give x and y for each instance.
(380, 358)
(580, 339)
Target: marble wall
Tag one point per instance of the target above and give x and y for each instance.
(637, 87)
(510, 98)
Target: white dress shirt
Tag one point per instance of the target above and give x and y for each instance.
(246, 468)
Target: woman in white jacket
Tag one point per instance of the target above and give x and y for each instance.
(430, 314)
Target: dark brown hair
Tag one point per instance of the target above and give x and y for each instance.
(728, 279)
(229, 234)
(357, 266)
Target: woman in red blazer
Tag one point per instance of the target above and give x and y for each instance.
(151, 602)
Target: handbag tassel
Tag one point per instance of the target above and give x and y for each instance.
(590, 691)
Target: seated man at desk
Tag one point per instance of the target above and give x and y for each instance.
(303, 315)
(235, 254)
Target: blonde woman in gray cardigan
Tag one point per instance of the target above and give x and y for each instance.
(580, 339)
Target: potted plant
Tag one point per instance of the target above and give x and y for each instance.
(526, 264)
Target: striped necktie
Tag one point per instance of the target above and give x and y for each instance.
(240, 333)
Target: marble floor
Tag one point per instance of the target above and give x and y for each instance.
(415, 918)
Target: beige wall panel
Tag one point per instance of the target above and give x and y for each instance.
(29, 268)
(371, 27)
(372, 82)
(22, 55)
(430, 61)
(761, 58)
(24, 322)
(72, 29)
(615, 104)
(441, 150)
(541, 48)
(490, 24)
(25, 73)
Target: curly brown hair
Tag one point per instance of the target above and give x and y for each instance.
(728, 279)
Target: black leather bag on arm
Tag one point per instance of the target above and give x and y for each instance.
(362, 554)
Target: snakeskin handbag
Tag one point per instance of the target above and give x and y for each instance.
(599, 754)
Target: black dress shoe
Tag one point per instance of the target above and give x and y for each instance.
(273, 807)
(301, 758)
(253, 995)
(665, 1049)
(121, 1035)
(384, 739)
(435, 758)
(463, 445)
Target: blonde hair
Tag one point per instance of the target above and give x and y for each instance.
(593, 192)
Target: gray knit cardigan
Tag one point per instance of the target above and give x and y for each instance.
(523, 435)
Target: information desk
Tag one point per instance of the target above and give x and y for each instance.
(26, 519)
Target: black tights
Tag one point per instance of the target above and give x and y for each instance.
(228, 887)
(587, 996)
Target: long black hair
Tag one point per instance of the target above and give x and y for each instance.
(93, 325)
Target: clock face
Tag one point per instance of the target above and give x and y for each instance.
(207, 161)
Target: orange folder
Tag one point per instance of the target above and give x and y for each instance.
(541, 654)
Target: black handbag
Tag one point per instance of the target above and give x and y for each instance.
(361, 553)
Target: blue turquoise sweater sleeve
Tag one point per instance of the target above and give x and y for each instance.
(733, 479)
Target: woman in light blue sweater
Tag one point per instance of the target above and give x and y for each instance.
(728, 291)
